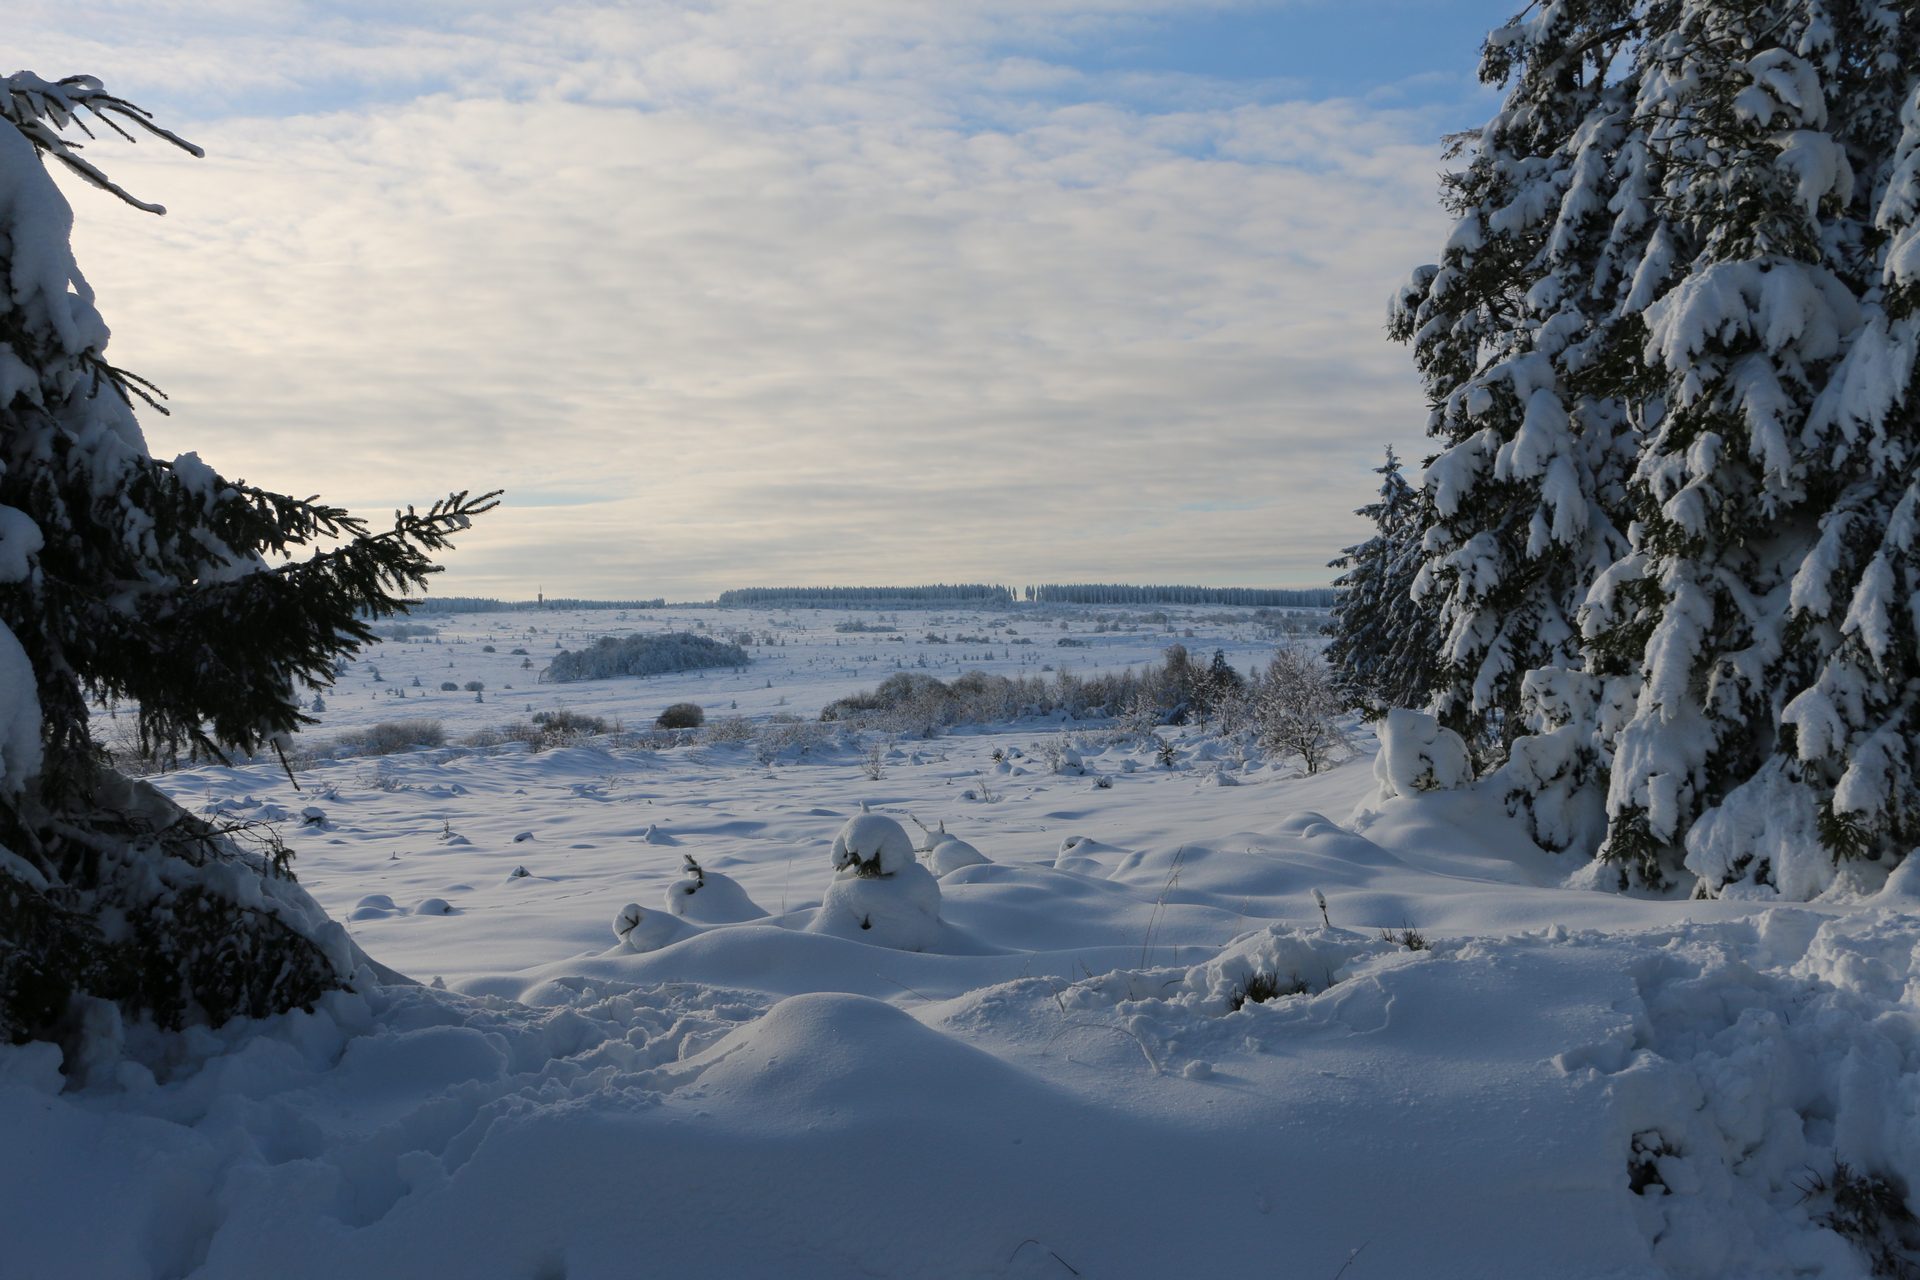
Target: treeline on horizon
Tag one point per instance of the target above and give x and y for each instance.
(943, 593)
(484, 604)
(1121, 593)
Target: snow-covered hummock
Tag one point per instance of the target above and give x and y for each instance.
(708, 897)
(880, 893)
(944, 852)
(1418, 753)
(641, 930)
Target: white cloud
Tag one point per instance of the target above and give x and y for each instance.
(744, 294)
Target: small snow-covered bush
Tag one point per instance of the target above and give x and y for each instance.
(1418, 753)
(709, 897)
(641, 930)
(880, 893)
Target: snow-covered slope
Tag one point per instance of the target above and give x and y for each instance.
(1557, 1083)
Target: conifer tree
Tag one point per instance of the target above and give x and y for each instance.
(1384, 640)
(125, 578)
(1670, 351)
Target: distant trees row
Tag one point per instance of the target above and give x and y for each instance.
(1119, 593)
(848, 597)
(643, 656)
(484, 604)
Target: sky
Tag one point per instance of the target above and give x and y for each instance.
(786, 292)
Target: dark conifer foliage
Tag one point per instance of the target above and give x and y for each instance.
(1385, 645)
(127, 578)
(1670, 348)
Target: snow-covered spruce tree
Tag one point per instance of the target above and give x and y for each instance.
(1670, 349)
(125, 578)
(1385, 642)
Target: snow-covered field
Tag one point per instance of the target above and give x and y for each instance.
(1560, 1083)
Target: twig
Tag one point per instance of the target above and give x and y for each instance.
(1349, 1262)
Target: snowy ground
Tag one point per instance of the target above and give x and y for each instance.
(1058, 1085)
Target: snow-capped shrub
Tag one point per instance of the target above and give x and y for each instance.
(879, 893)
(708, 897)
(872, 845)
(1418, 753)
(641, 930)
(1295, 961)
(945, 852)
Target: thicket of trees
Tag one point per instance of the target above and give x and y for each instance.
(1291, 707)
(646, 655)
(125, 578)
(1671, 537)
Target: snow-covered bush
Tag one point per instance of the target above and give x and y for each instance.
(1670, 347)
(879, 893)
(157, 584)
(708, 897)
(641, 930)
(945, 852)
(1418, 753)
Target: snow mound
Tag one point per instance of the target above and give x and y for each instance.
(708, 897)
(1296, 961)
(641, 930)
(953, 853)
(900, 910)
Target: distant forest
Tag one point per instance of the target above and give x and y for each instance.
(864, 597)
(1119, 593)
(482, 604)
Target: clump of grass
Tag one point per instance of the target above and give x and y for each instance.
(1262, 987)
(1406, 936)
(1869, 1210)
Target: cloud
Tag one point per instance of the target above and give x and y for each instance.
(743, 294)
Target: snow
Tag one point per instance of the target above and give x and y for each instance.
(1057, 1077)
